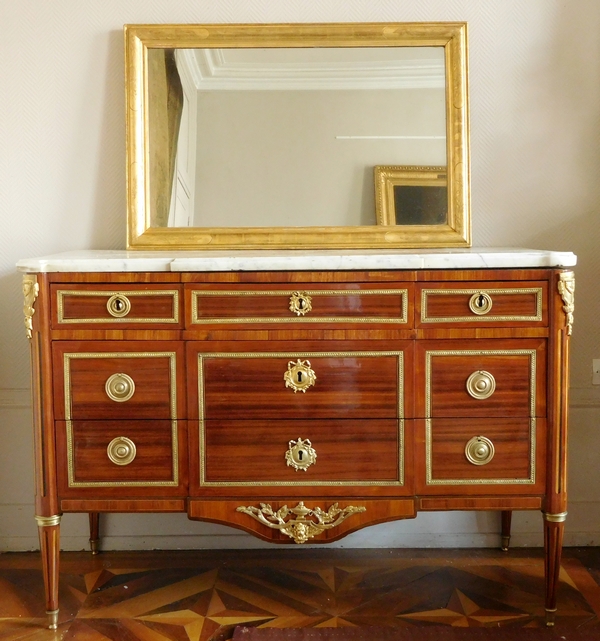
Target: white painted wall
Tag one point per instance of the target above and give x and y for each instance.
(283, 162)
(535, 132)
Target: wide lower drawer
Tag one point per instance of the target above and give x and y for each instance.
(487, 456)
(485, 378)
(118, 380)
(297, 385)
(292, 452)
(305, 303)
(97, 306)
(482, 303)
(122, 454)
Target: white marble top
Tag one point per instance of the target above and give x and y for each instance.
(218, 261)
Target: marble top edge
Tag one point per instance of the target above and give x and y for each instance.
(273, 260)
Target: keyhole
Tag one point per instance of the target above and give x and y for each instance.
(300, 453)
(301, 303)
(299, 377)
(480, 301)
(119, 305)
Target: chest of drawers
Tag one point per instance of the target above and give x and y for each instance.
(299, 405)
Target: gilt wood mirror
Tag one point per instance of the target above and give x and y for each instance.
(266, 136)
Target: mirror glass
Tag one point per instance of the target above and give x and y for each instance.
(288, 136)
(272, 136)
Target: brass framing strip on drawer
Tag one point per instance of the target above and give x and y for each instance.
(201, 421)
(532, 353)
(67, 357)
(538, 291)
(530, 480)
(301, 319)
(61, 293)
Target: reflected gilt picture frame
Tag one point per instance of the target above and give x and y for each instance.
(414, 199)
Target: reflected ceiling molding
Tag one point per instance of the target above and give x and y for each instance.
(212, 71)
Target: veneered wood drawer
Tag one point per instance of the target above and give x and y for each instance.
(306, 303)
(253, 453)
(122, 454)
(464, 304)
(499, 378)
(97, 306)
(98, 380)
(517, 448)
(264, 385)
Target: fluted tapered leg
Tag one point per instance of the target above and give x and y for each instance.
(49, 531)
(554, 525)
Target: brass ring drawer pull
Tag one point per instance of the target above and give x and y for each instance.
(479, 450)
(121, 450)
(481, 384)
(480, 303)
(299, 376)
(300, 454)
(120, 387)
(300, 303)
(118, 305)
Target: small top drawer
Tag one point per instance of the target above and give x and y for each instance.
(303, 304)
(109, 305)
(485, 303)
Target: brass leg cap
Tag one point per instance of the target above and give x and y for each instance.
(505, 543)
(52, 619)
(94, 546)
(550, 616)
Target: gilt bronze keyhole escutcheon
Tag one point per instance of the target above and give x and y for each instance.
(299, 376)
(300, 454)
(118, 306)
(300, 303)
(480, 303)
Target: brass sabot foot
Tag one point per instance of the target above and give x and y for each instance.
(52, 619)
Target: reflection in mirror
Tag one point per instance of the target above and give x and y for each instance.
(288, 136)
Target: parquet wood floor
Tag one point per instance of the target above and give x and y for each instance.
(202, 595)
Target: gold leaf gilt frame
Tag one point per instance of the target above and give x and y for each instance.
(452, 36)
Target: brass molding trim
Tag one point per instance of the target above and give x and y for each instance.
(566, 289)
(67, 358)
(532, 353)
(61, 293)
(429, 355)
(403, 293)
(48, 521)
(555, 518)
(308, 522)
(31, 289)
(481, 318)
(312, 483)
(450, 35)
(530, 480)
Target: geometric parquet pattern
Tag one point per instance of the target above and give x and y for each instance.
(201, 596)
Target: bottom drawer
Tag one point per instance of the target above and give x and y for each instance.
(481, 453)
(120, 454)
(296, 452)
